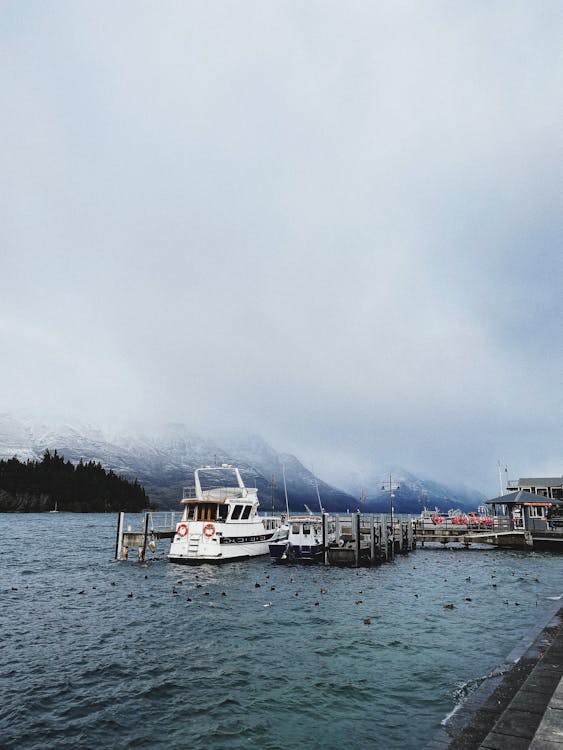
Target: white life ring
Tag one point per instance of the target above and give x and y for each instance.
(182, 529)
(209, 530)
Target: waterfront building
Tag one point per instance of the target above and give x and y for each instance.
(527, 511)
(549, 487)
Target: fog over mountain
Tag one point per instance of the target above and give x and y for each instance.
(164, 462)
(335, 225)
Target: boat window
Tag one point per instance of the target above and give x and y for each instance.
(191, 512)
(206, 512)
(246, 511)
(306, 528)
(295, 528)
(236, 512)
(222, 512)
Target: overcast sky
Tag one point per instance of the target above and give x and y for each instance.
(336, 224)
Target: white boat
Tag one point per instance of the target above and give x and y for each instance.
(304, 542)
(221, 523)
(55, 509)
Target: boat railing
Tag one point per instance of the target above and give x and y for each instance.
(218, 494)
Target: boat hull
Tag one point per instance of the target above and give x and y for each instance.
(240, 552)
(222, 549)
(284, 552)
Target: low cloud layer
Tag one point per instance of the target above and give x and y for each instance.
(336, 225)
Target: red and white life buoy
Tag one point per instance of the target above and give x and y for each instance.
(182, 529)
(209, 530)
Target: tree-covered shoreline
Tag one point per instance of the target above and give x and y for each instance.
(36, 486)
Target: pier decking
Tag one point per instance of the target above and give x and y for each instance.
(359, 538)
(500, 535)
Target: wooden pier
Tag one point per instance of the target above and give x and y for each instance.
(499, 535)
(351, 539)
(366, 539)
(155, 526)
(355, 539)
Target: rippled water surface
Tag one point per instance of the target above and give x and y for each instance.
(85, 664)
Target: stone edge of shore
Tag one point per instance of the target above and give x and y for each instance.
(468, 725)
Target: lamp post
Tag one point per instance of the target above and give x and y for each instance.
(500, 478)
(391, 486)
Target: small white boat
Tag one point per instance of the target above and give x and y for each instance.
(304, 541)
(55, 509)
(221, 523)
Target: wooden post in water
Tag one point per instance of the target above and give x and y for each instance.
(325, 538)
(119, 535)
(383, 536)
(372, 540)
(145, 534)
(357, 539)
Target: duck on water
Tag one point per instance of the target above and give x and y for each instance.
(220, 522)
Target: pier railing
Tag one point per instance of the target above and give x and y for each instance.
(460, 524)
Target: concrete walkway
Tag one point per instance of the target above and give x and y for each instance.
(532, 719)
(550, 731)
(519, 709)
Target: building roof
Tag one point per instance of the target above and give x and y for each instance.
(521, 496)
(540, 482)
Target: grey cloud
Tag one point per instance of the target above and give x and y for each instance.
(332, 224)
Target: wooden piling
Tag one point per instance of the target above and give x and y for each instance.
(384, 542)
(357, 539)
(119, 535)
(145, 536)
(325, 538)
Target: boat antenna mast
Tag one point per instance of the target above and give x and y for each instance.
(318, 495)
(285, 491)
(273, 486)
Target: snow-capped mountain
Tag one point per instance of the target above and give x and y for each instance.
(164, 461)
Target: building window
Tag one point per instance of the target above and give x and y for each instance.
(536, 512)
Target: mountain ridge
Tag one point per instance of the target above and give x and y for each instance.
(164, 460)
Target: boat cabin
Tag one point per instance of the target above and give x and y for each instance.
(305, 530)
(221, 504)
(221, 511)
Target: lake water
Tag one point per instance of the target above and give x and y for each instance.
(85, 665)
